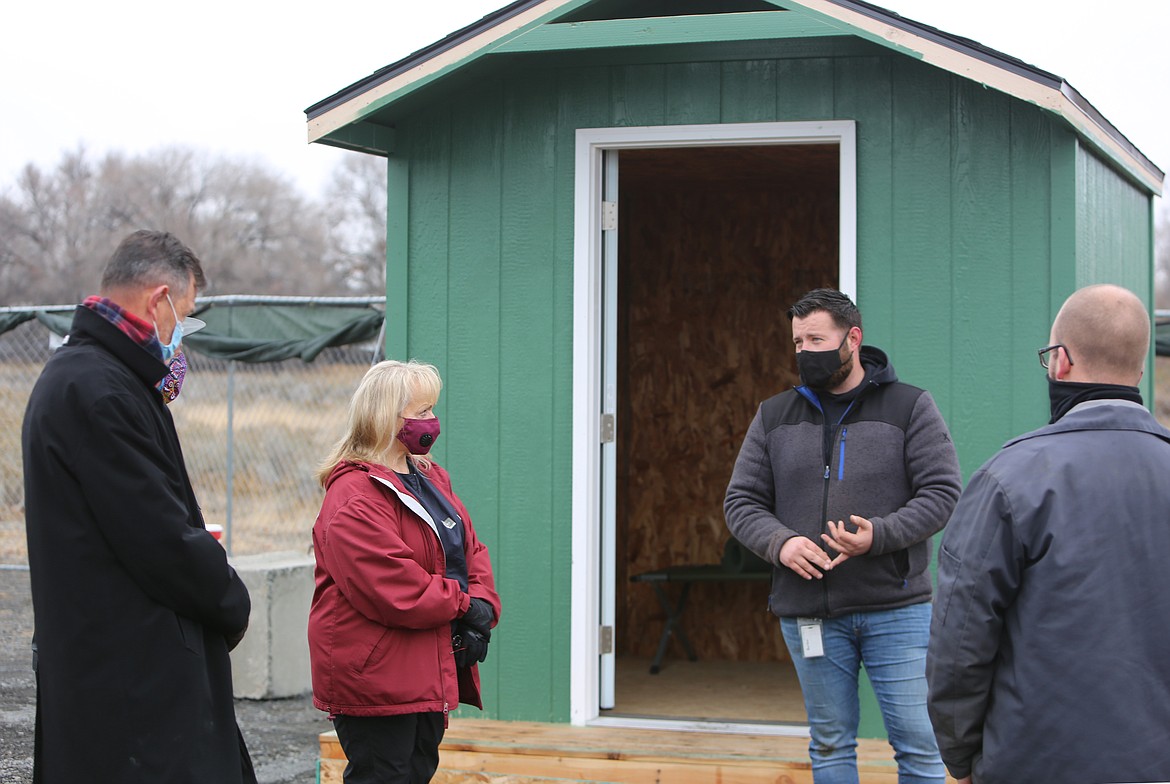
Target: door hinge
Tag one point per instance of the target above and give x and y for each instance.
(608, 426)
(608, 215)
(605, 643)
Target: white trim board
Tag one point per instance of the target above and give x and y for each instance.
(587, 354)
(717, 727)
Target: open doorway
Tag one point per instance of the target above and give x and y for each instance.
(714, 243)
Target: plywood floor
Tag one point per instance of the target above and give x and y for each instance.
(481, 751)
(766, 692)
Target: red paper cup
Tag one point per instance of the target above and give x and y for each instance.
(215, 530)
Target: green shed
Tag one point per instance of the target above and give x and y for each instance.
(598, 213)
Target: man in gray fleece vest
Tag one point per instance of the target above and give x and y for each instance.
(840, 484)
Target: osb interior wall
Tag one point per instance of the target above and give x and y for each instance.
(714, 245)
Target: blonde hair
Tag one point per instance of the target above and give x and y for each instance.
(375, 413)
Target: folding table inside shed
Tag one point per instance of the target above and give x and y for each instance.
(686, 575)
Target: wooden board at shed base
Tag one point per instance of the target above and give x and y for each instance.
(502, 752)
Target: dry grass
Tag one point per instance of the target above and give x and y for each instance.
(284, 419)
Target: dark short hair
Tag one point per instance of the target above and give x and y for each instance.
(837, 304)
(148, 258)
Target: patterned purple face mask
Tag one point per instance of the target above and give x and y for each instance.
(172, 382)
(419, 434)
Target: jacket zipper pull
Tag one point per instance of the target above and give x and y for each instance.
(841, 456)
(826, 471)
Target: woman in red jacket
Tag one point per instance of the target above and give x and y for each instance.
(405, 600)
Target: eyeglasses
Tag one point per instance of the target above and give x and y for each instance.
(1047, 349)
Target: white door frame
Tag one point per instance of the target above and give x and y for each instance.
(587, 350)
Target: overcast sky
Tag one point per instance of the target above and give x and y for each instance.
(233, 78)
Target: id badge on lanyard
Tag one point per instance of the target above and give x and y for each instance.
(812, 644)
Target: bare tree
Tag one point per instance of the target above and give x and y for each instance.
(48, 238)
(355, 202)
(254, 231)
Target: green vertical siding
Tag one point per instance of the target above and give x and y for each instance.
(977, 214)
(1114, 234)
(805, 89)
(863, 91)
(524, 559)
(693, 93)
(397, 254)
(1113, 227)
(982, 263)
(921, 281)
(748, 91)
(474, 349)
(1028, 312)
(429, 213)
(639, 95)
(1062, 231)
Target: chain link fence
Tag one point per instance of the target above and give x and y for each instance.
(252, 436)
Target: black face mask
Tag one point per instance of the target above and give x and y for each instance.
(1063, 395)
(821, 370)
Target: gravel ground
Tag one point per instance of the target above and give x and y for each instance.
(281, 734)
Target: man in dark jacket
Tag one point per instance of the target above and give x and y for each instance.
(135, 604)
(1048, 654)
(839, 484)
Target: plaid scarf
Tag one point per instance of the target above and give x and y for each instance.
(138, 330)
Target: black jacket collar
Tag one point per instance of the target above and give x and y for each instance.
(90, 326)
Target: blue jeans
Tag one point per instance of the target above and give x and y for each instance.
(891, 644)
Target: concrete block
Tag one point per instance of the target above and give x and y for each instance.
(273, 659)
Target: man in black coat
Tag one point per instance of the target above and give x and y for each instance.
(135, 604)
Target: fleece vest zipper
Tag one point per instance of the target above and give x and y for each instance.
(836, 435)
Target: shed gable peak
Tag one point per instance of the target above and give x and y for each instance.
(603, 10)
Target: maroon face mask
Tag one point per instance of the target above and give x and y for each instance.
(419, 434)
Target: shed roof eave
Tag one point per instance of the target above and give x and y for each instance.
(955, 54)
(353, 103)
(996, 70)
(427, 52)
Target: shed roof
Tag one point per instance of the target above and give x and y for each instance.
(343, 119)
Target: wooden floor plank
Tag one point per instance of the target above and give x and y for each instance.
(503, 752)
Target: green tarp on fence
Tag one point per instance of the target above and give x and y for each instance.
(269, 329)
(255, 329)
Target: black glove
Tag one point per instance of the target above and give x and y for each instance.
(479, 616)
(469, 645)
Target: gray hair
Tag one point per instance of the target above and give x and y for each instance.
(150, 258)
